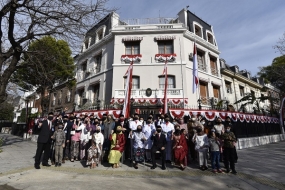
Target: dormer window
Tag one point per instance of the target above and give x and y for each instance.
(100, 33)
(210, 38)
(198, 30)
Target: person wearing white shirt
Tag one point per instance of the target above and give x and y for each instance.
(148, 131)
(134, 124)
(138, 146)
(168, 129)
(83, 138)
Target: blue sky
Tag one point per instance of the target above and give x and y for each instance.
(245, 30)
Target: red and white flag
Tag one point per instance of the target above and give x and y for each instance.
(126, 108)
(195, 69)
(165, 108)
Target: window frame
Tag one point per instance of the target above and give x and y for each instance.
(133, 45)
(134, 77)
(161, 78)
(163, 43)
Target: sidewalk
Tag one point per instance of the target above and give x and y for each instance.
(258, 168)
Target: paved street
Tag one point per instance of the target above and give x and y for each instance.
(258, 168)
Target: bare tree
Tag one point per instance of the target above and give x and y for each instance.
(280, 46)
(25, 20)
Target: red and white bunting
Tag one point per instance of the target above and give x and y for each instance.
(116, 113)
(177, 114)
(241, 117)
(141, 101)
(252, 118)
(234, 117)
(247, 118)
(153, 101)
(223, 115)
(121, 101)
(100, 113)
(176, 101)
(209, 115)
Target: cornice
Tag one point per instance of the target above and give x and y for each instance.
(240, 77)
(201, 41)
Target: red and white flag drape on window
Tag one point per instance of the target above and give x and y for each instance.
(165, 108)
(126, 108)
(195, 69)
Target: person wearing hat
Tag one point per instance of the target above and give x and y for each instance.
(159, 144)
(117, 147)
(59, 144)
(168, 129)
(95, 151)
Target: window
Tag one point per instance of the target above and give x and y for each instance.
(68, 96)
(216, 91)
(252, 93)
(132, 48)
(86, 43)
(53, 99)
(135, 82)
(98, 60)
(241, 91)
(59, 97)
(165, 46)
(204, 93)
(84, 66)
(95, 93)
(100, 32)
(210, 38)
(213, 65)
(198, 30)
(228, 87)
(170, 81)
(201, 61)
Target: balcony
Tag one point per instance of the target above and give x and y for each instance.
(82, 75)
(156, 93)
(129, 58)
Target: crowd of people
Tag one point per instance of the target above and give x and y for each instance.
(178, 141)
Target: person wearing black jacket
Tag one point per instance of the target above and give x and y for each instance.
(44, 141)
(67, 129)
(159, 144)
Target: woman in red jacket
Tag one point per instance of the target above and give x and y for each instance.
(118, 142)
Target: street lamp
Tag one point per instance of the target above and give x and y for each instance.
(199, 103)
(98, 104)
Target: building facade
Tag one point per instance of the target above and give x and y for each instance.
(239, 84)
(61, 97)
(111, 45)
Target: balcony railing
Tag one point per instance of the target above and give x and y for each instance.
(156, 93)
(144, 21)
(214, 71)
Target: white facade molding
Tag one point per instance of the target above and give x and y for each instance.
(157, 38)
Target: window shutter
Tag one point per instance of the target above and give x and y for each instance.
(203, 90)
(216, 92)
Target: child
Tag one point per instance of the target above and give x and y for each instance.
(95, 151)
(59, 143)
(214, 142)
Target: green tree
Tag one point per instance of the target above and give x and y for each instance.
(47, 61)
(6, 111)
(22, 21)
(274, 73)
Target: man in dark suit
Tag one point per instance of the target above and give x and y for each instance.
(159, 144)
(44, 141)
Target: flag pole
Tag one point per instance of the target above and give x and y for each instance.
(182, 75)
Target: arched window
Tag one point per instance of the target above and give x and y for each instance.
(170, 81)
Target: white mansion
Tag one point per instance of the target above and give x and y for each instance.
(112, 44)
